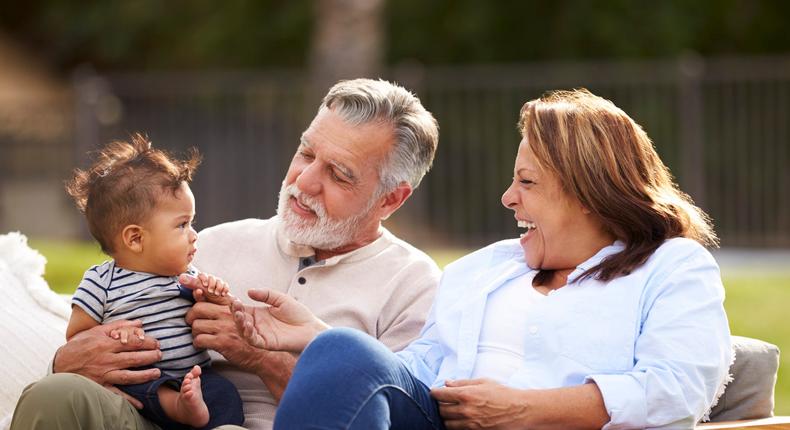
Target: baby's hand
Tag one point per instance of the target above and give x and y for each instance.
(125, 333)
(215, 290)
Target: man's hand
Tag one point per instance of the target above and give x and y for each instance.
(94, 354)
(213, 328)
(478, 403)
(282, 324)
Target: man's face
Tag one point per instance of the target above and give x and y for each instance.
(329, 195)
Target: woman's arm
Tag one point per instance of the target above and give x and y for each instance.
(682, 352)
(483, 403)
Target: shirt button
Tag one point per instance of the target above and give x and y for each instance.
(533, 329)
(302, 280)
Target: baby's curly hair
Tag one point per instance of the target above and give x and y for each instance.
(124, 185)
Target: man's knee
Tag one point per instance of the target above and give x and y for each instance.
(64, 387)
(54, 399)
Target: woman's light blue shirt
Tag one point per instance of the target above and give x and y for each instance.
(656, 341)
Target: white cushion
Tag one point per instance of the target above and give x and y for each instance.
(33, 320)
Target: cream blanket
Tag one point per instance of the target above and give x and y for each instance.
(33, 320)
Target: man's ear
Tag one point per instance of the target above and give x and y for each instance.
(394, 199)
(132, 237)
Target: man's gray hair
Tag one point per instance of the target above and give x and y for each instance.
(362, 101)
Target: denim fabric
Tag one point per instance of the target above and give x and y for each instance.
(221, 397)
(346, 379)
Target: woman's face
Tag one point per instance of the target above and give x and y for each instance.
(560, 232)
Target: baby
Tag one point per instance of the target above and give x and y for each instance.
(140, 209)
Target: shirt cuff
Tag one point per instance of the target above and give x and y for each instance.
(624, 398)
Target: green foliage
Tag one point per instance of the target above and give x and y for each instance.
(143, 34)
(463, 31)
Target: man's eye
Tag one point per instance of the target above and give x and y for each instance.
(184, 225)
(306, 155)
(337, 177)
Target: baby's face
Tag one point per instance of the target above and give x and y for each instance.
(168, 237)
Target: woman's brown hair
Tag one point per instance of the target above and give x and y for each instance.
(605, 160)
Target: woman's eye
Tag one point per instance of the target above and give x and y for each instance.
(526, 182)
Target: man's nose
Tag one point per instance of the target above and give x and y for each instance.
(309, 180)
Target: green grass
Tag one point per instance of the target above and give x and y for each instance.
(756, 304)
(67, 261)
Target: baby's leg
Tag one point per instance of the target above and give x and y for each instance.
(186, 406)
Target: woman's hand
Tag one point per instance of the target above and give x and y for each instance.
(479, 404)
(283, 324)
(485, 404)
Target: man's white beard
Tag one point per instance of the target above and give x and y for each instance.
(321, 233)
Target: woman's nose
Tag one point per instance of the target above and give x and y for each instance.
(509, 198)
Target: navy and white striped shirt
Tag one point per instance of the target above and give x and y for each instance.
(108, 293)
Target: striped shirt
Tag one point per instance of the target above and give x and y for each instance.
(108, 293)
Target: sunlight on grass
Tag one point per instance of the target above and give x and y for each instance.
(757, 307)
(67, 261)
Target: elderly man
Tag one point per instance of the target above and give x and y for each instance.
(359, 160)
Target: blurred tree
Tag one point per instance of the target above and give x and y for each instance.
(141, 34)
(461, 31)
(162, 34)
(347, 41)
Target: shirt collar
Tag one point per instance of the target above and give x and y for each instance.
(512, 249)
(596, 259)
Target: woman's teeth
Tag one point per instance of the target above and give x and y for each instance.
(526, 224)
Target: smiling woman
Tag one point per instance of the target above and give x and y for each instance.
(607, 312)
(589, 175)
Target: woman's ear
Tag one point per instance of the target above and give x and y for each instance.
(132, 237)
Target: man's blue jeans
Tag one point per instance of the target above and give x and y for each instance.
(346, 379)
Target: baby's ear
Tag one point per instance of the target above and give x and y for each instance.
(132, 237)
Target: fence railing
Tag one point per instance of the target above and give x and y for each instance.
(721, 125)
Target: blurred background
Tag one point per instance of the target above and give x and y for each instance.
(709, 80)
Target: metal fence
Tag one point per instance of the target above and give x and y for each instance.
(721, 125)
